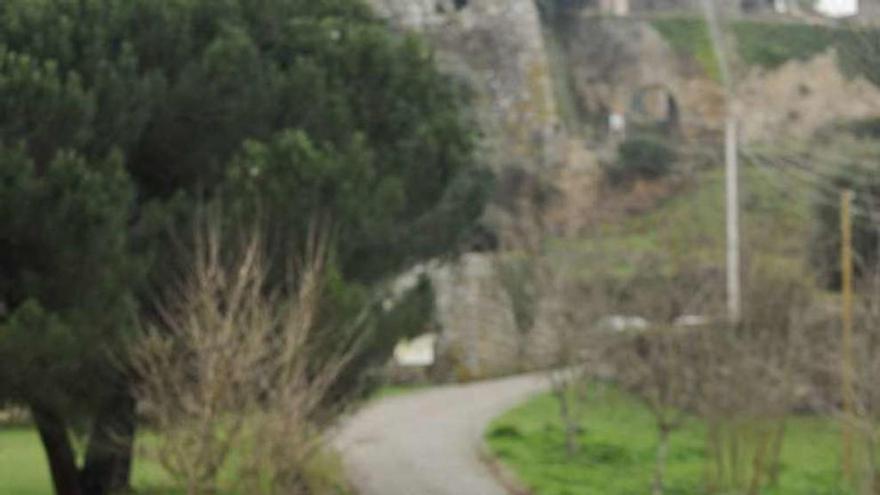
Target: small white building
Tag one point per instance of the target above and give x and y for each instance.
(615, 7)
(838, 8)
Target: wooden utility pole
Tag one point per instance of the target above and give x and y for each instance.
(846, 365)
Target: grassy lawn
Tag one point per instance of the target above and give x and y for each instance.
(23, 469)
(618, 444)
(22, 465)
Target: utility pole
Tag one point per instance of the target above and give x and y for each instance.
(731, 166)
(846, 366)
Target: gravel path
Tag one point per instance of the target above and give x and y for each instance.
(428, 442)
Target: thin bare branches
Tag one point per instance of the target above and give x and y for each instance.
(227, 377)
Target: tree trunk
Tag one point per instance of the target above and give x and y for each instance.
(108, 458)
(776, 460)
(59, 452)
(660, 467)
(569, 423)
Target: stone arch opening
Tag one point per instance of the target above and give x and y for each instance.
(656, 104)
(446, 6)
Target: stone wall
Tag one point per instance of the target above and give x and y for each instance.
(477, 333)
(497, 47)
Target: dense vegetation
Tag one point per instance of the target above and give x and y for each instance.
(119, 118)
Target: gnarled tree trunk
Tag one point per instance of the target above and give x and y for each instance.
(59, 451)
(108, 458)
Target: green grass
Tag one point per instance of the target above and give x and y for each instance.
(23, 468)
(690, 36)
(771, 44)
(618, 443)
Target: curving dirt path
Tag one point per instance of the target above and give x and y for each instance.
(428, 442)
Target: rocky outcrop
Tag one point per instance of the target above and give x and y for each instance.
(623, 66)
(497, 48)
(801, 97)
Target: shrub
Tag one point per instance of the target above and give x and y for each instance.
(645, 158)
(868, 128)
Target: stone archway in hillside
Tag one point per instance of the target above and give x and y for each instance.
(449, 6)
(655, 105)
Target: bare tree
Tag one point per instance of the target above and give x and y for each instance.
(864, 418)
(662, 365)
(535, 286)
(752, 374)
(228, 370)
(657, 367)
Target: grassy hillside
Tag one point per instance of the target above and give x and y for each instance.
(770, 44)
(690, 227)
(690, 36)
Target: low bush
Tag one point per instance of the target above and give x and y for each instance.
(646, 158)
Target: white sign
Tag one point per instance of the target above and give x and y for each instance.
(418, 352)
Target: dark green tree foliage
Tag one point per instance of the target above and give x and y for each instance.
(64, 272)
(118, 117)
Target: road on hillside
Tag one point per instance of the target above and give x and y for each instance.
(428, 442)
